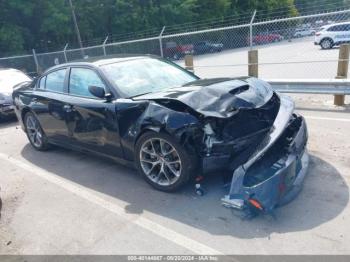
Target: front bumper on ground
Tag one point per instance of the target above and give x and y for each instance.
(274, 175)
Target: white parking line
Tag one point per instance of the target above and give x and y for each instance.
(143, 222)
(327, 118)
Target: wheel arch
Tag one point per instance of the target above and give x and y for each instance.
(25, 111)
(189, 162)
(150, 128)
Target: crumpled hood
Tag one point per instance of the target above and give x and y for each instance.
(219, 97)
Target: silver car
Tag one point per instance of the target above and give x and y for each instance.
(9, 78)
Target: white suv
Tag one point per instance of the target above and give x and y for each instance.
(331, 35)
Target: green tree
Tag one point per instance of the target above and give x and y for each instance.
(47, 24)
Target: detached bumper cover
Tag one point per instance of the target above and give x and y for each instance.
(274, 175)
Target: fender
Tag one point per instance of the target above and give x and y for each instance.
(154, 117)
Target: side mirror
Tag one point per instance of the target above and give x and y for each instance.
(97, 91)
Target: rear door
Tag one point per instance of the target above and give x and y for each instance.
(91, 121)
(48, 104)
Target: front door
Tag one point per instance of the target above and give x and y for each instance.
(91, 121)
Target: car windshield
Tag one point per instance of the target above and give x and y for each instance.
(146, 75)
(9, 78)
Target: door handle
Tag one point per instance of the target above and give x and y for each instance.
(67, 108)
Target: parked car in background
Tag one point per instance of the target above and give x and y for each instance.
(301, 32)
(333, 35)
(9, 78)
(266, 38)
(207, 47)
(151, 113)
(175, 51)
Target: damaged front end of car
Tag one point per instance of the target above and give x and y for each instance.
(242, 126)
(274, 174)
(265, 148)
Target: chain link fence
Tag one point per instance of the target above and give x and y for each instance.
(26, 63)
(286, 47)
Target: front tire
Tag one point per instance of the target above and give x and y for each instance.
(35, 133)
(163, 162)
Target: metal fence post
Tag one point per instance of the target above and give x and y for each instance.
(161, 41)
(104, 46)
(342, 72)
(36, 61)
(253, 63)
(189, 63)
(64, 53)
(251, 30)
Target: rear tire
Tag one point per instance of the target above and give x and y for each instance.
(35, 133)
(163, 162)
(326, 43)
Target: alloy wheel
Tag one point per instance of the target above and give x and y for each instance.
(160, 161)
(34, 131)
(326, 44)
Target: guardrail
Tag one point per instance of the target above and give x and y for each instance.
(311, 86)
(339, 87)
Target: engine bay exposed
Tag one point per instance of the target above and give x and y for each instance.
(239, 135)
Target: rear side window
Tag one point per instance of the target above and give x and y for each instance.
(80, 80)
(55, 80)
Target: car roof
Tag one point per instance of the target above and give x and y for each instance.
(343, 23)
(2, 69)
(7, 70)
(101, 60)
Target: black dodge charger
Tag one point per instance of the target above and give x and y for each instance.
(150, 113)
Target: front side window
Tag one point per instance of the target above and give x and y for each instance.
(80, 80)
(146, 75)
(55, 80)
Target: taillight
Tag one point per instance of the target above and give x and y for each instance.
(318, 34)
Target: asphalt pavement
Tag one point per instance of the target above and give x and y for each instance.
(63, 202)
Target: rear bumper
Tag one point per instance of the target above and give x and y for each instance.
(274, 177)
